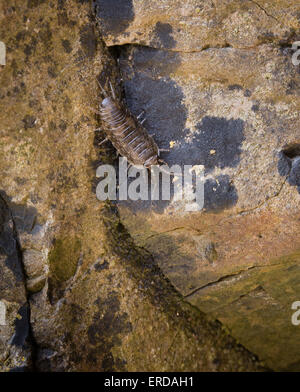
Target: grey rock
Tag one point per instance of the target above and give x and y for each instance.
(15, 345)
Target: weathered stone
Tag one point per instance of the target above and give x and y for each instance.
(218, 87)
(33, 263)
(97, 302)
(36, 269)
(256, 306)
(194, 25)
(102, 323)
(15, 347)
(214, 124)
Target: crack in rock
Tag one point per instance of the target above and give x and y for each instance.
(228, 278)
(264, 10)
(23, 330)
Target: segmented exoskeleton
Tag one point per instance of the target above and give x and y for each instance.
(127, 133)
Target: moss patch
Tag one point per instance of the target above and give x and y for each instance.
(63, 259)
(256, 307)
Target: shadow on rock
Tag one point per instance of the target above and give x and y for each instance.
(14, 220)
(219, 194)
(219, 142)
(115, 15)
(289, 165)
(163, 36)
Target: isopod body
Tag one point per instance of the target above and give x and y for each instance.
(127, 134)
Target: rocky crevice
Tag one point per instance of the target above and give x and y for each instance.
(264, 10)
(27, 342)
(230, 278)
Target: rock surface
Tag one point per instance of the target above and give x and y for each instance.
(97, 301)
(218, 87)
(15, 344)
(193, 25)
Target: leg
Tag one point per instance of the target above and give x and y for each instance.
(162, 162)
(102, 89)
(103, 141)
(93, 110)
(95, 130)
(140, 115)
(112, 91)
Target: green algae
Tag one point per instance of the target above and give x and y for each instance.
(255, 306)
(63, 258)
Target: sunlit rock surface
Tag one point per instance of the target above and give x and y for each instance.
(81, 294)
(218, 88)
